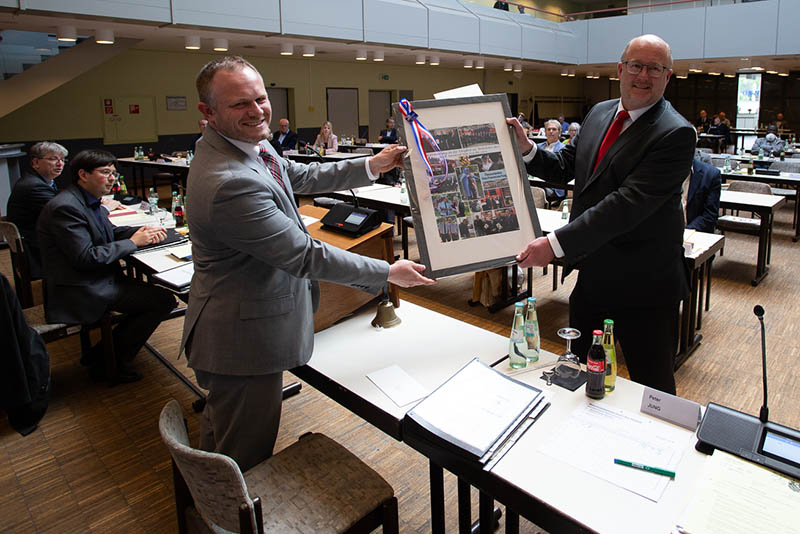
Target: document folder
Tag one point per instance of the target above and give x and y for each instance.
(475, 412)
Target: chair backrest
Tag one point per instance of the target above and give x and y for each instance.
(749, 187)
(785, 166)
(19, 263)
(214, 480)
(539, 197)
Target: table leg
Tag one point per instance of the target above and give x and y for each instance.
(512, 521)
(796, 214)
(464, 507)
(436, 474)
(763, 244)
(700, 292)
(708, 282)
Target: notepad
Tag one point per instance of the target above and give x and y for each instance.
(177, 278)
(182, 252)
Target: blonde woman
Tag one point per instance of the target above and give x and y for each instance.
(326, 138)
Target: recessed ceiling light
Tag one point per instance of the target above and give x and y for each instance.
(420, 59)
(772, 72)
(467, 63)
(564, 72)
(377, 56)
(308, 51)
(571, 74)
(434, 60)
(613, 78)
(67, 34)
(220, 45)
(287, 49)
(191, 42)
(729, 75)
(783, 74)
(714, 73)
(479, 64)
(361, 54)
(104, 36)
(517, 67)
(507, 66)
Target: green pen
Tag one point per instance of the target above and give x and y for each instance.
(649, 469)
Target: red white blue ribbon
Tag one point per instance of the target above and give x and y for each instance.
(420, 133)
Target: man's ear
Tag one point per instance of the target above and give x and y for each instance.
(206, 110)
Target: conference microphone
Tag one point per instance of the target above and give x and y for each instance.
(759, 311)
(755, 439)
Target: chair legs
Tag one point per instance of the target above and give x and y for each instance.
(385, 514)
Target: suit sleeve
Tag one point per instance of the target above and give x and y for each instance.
(325, 177)
(558, 167)
(70, 230)
(656, 179)
(707, 219)
(247, 219)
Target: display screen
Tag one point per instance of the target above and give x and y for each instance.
(355, 218)
(781, 446)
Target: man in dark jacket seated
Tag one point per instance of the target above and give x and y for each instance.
(285, 139)
(702, 201)
(83, 279)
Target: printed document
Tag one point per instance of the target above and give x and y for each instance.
(595, 434)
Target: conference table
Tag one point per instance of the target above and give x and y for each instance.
(430, 347)
(374, 147)
(764, 206)
(786, 179)
(328, 157)
(177, 166)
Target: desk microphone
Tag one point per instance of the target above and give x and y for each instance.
(759, 311)
(754, 439)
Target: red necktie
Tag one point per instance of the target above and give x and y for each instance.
(272, 165)
(611, 136)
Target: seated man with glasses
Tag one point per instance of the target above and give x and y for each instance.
(30, 195)
(83, 279)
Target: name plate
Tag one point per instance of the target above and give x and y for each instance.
(670, 408)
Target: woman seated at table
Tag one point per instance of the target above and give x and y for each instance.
(326, 139)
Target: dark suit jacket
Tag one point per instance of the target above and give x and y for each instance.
(388, 136)
(626, 226)
(289, 142)
(81, 263)
(30, 194)
(702, 201)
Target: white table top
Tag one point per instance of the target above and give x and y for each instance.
(332, 156)
(176, 162)
(752, 199)
(431, 347)
(385, 194)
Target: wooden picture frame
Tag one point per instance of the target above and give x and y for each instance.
(481, 214)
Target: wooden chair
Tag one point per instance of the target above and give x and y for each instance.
(314, 485)
(35, 314)
(745, 225)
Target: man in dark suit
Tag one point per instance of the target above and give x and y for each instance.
(625, 233)
(702, 199)
(30, 195)
(389, 135)
(285, 139)
(81, 250)
(255, 288)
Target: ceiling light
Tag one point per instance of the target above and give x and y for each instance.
(757, 68)
(507, 66)
(714, 73)
(682, 76)
(613, 78)
(104, 36)
(434, 60)
(772, 72)
(467, 63)
(220, 45)
(783, 74)
(420, 60)
(287, 49)
(361, 54)
(308, 51)
(378, 55)
(729, 75)
(517, 67)
(191, 42)
(67, 33)
(571, 73)
(479, 64)
(695, 70)
(564, 72)
(589, 75)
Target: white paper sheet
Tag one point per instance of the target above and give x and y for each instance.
(398, 385)
(177, 277)
(595, 434)
(460, 92)
(737, 496)
(308, 220)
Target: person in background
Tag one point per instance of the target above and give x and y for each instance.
(501, 5)
(703, 123)
(285, 138)
(702, 199)
(30, 195)
(771, 144)
(625, 231)
(572, 131)
(83, 279)
(563, 124)
(326, 138)
(388, 135)
(552, 131)
(720, 128)
(724, 120)
(781, 123)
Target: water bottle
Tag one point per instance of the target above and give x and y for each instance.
(189, 157)
(403, 192)
(123, 187)
(532, 339)
(152, 200)
(727, 166)
(517, 347)
(174, 202)
(565, 210)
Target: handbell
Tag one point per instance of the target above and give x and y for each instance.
(386, 317)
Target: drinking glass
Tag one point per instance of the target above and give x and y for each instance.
(568, 365)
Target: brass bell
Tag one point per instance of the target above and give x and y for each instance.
(386, 317)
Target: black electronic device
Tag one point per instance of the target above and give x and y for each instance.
(350, 219)
(749, 437)
(769, 172)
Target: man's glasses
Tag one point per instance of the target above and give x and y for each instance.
(108, 173)
(55, 160)
(654, 70)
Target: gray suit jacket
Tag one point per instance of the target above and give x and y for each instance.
(30, 195)
(626, 226)
(80, 259)
(252, 297)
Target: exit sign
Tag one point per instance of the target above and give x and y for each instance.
(385, 77)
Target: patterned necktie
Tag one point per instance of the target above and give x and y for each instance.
(272, 165)
(611, 136)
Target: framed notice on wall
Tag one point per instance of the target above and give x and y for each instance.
(468, 187)
(176, 103)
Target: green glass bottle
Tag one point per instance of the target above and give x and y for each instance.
(611, 355)
(517, 347)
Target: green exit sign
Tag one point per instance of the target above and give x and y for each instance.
(385, 77)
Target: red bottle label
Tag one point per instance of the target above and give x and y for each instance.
(596, 366)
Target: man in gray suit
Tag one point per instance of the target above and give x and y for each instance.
(254, 288)
(625, 234)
